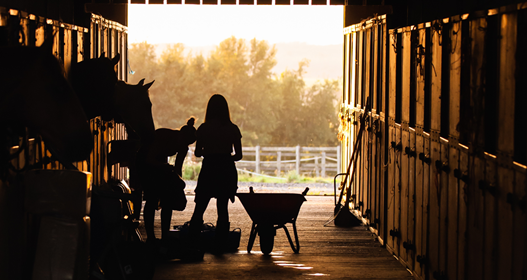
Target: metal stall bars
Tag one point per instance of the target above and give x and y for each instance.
(70, 43)
(32, 30)
(107, 38)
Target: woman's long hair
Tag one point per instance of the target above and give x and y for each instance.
(218, 109)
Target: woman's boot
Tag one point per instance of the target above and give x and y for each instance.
(194, 249)
(222, 237)
(194, 229)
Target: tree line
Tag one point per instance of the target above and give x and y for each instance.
(270, 109)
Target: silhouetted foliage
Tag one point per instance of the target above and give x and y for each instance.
(269, 109)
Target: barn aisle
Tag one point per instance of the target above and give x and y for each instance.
(326, 252)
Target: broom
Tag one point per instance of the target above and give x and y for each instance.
(343, 216)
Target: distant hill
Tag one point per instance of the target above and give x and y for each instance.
(325, 61)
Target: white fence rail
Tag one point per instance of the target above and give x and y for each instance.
(311, 161)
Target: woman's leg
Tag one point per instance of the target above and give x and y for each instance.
(197, 217)
(166, 218)
(148, 215)
(222, 225)
(222, 205)
(199, 209)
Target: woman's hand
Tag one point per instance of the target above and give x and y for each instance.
(237, 150)
(199, 149)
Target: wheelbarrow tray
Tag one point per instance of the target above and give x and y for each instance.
(271, 211)
(272, 208)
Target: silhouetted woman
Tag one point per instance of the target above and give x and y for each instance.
(159, 174)
(218, 178)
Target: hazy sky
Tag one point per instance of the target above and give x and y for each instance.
(204, 25)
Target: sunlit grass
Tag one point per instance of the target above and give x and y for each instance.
(290, 177)
(191, 172)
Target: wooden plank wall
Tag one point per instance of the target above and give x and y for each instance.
(365, 71)
(71, 44)
(445, 191)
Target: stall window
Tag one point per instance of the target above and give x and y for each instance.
(445, 82)
(490, 67)
(356, 68)
(345, 91)
(363, 69)
(520, 120)
(466, 114)
(372, 59)
(428, 82)
(398, 79)
(380, 60)
(413, 67)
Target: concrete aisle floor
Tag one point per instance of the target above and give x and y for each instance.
(326, 252)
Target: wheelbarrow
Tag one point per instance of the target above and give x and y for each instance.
(269, 212)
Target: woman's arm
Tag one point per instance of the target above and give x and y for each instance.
(237, 150)
(180, 158)
(199, 149)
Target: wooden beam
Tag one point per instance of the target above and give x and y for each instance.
(114, 12)
(354, 14)
(300, 2)
(507, 59)
(263, 2)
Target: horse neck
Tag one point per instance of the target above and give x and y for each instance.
(16, 64)
(94, 82)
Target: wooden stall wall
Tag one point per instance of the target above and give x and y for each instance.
(72, 44)
(364, 69)
(448, 181)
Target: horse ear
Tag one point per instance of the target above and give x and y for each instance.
(147, 86)
(116, 59)
(103, 54)
(141, 82)
(47, 46)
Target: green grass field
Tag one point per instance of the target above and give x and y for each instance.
(191, 172)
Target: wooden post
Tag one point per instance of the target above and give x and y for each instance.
(317, 167)
(450, 202)
(405, 139)
(279, 163)
(323, 164)
(435, 151)
(470, 223)
(257, 159)
(392, 153)
(419, 186)
(507, 59)
(298, 160)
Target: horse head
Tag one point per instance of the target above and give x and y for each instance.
(35, 94)
(135, 108)
(94, 82)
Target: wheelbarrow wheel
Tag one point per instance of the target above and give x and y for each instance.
(266, 243)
